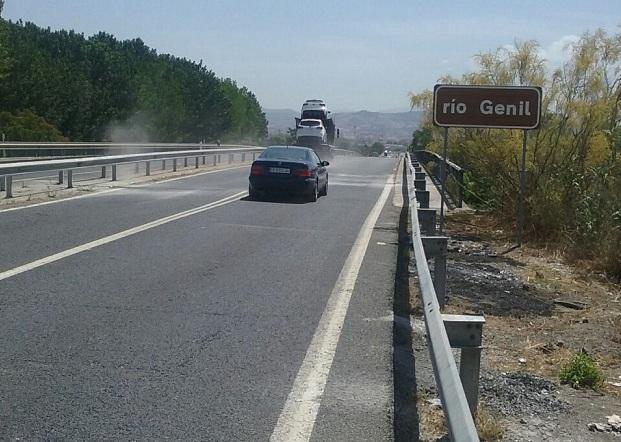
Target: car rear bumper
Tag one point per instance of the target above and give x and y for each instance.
(281, 184)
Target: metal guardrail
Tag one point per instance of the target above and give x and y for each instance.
(8, 170)
(454, 176)
(458, 390)
(49, 149)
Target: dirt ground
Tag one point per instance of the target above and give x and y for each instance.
(539, 311)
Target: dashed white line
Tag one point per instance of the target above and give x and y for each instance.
(131, 186)
(120, 235)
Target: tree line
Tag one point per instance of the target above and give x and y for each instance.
(60, 85)
(573, 197)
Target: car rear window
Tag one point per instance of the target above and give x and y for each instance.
(310, 123)
(283, 153)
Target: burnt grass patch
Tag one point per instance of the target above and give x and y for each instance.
(485, 282)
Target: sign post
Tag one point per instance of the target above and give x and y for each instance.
(494, 107)
(443, 183)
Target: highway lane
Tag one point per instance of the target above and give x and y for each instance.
(191, 330)
(39, 231)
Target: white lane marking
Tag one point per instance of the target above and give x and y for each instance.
(397, 196)
(298, 416)
(129, 186)
(120, 235)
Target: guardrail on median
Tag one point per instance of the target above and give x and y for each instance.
(8, 170)
(454, 174)
(35, 149)
(458, 390)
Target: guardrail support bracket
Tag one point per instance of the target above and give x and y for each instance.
(436, 248)
(422, 196)
(427, 219)
(8, 186)
(466, 332)
(114, 172)
(69, 179)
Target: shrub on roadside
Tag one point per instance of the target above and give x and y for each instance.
(582, 372)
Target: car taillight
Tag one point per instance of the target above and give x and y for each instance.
(257, 170)
(306, 173)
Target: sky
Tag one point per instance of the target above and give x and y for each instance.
(356, 55)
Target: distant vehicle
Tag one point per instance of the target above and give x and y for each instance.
(314, 109)
(317, 110)
(288, 169)
(310, 132)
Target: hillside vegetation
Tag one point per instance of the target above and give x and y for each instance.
(100, 88)
(573, 162)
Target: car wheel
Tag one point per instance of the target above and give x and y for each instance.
(314, 193)
(253, 194)
(324, 191)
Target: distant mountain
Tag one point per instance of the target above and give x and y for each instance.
(360, 125)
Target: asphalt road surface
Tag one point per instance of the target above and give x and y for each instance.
(178, 310)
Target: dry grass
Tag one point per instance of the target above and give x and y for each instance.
(489, 425)
(432, 425)
(546, 343)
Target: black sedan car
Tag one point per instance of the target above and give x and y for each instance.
(288, 169)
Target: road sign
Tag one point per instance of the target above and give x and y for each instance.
(504, 107)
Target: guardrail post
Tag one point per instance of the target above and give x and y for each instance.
(69, 178)
(243, 157)
(436, 248)
(61, 176)
(196, 163)
(103, 171)
(204, 159)
(137, 167)
(163, 164)
(230, 158)
(420, 184)
(2, 185)
(185, 161)
(254, 156)
(427, 218)
(215, 157)
(219, 158)
(8, 186)
(114, 172)
(466, 332)
(422, 196)
(174, 164)
(148, 167)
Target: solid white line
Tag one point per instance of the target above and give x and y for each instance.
(298, 416)
(120, 235)
(116, 189)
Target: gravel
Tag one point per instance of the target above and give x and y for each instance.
(520, 394)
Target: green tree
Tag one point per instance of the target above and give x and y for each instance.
(574, 171)
(101, 88)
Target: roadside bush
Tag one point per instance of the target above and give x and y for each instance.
(573, 161)
(582, 371)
